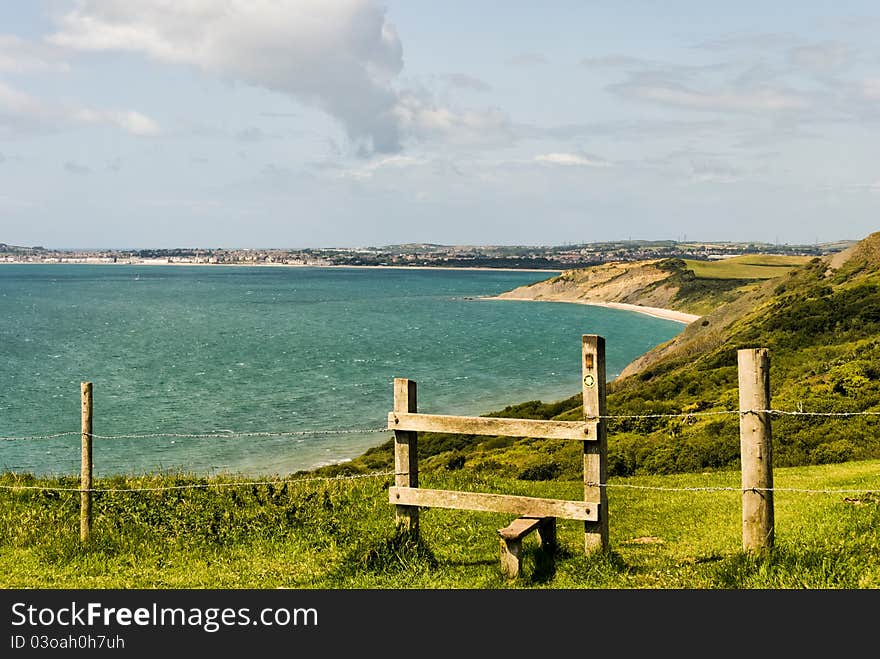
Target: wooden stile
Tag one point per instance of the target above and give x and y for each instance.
(407, 496)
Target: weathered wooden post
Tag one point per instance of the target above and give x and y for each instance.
(85, 497)
(595, 452)
(406, 461)
(755, 448)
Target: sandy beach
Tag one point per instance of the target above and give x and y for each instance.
(657, 312)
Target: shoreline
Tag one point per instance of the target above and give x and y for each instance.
(288, 265)
(656, 312)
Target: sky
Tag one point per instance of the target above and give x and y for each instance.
(353, 123)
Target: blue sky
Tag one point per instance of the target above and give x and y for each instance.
(313, 123)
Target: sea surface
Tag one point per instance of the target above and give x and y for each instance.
(264, 356)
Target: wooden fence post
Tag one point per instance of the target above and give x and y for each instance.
(755, 449)
(406, 461)
(595, 452)
(85, 497)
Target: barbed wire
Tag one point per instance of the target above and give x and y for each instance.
(772, 412)
(376, 474)
(53, 436)
(730, 489)
(211, 435)
(194, 486)
(230, 433)
(361, 431)
(800, 413)
(670, 415)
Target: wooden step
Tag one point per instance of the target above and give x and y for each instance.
(513, 534)
(520, 527)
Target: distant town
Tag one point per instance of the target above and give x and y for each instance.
(560, 257)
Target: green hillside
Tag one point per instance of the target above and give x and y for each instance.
(748, 266)
(821, 323)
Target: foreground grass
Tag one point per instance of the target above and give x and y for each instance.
(340, 534)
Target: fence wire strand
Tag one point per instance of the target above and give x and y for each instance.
(771, 412)
(199, 486)
(730, 489)
(301, 433)
(362, 431)
(224, 434)
(377, 474)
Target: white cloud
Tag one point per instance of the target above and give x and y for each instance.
(15, 103)
(339, 56)
(130, 121)
(527, 60)
(76, 168)
(342, 57)
(195, 206)
(464, 81)
(871, 89)
(870, 187)
(22, 111)
(20, 56)
(821, 59)
(425, 120)
(707, 171)
(750, 42)
(16, 204)
(724, 100)
(616, 61)
(389, 162)
(570, 160)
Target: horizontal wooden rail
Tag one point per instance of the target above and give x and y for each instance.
(485, 425)
(499, 503)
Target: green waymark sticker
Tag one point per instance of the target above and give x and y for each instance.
(589, 380)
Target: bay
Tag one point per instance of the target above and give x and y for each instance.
(272, 353)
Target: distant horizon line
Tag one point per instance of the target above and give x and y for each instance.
(448, 245)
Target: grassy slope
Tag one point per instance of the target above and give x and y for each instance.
(340, 534)
(749, 266)
(822, 326)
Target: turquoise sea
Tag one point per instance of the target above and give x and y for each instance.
(191, 350)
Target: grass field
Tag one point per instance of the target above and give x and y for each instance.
(666, 532)
(749, 266)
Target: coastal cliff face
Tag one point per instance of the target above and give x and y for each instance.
(641, 283)
(717, 295)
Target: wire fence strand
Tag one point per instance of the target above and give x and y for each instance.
(377, 474)
(731, 489)
(223, 434)
(199, 486)
(772, 412)
(361, 431)
(52, 436)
